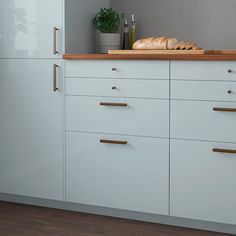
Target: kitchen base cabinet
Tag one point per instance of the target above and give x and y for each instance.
(132, 176)
(135, 147)
(117, 134)
(31, 131)
(202, 181)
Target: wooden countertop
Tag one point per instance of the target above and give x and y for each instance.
(211, 56)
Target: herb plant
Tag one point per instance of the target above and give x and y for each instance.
(107, 20)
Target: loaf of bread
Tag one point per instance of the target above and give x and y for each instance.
(163, 43)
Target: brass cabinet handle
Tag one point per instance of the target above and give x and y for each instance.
(113, 104)
(106, 141)
(220, 150)
(224, 109)
(55, 29)
(55, 78)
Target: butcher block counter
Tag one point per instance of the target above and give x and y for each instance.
(213, 55)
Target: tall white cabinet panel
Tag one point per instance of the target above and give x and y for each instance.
(31, 132)
(26, 28)
(133, 177)
(202, 181)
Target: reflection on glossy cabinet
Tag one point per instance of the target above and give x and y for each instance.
(26, 28)
(31, 133)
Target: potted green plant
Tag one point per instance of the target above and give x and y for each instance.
(107, 21)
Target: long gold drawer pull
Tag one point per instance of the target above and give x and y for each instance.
(224, 109)
(113, 142)
(113, 104)
(55, 77)
(55, 29)
(224, 150)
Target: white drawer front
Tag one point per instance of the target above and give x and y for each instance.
(203, 90)
(203, 182)
(118, 69)
(197, 120)
(118, 87)
(131, 177)
(203, 70)
(145, 117)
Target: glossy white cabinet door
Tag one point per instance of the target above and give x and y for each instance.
(31, 157)
(203, 182)
(143, 117)
(203, 90)
(117, 69)
(26, 28)
(203, 70)
(132, 177)
(197, 120)
(136, 88)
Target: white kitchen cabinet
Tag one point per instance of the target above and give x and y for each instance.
(202, 181)
(32, 40)
(203, 90)
(26, 28)
(132, 176)
(132, 88)
(117, 69)
(118, 139)
(144, 117)
(203, 141)
(31, 128)
(197, 120)
(203, 70)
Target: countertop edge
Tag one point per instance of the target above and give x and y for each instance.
(198, 57)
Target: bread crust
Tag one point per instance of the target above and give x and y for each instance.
(163, 43)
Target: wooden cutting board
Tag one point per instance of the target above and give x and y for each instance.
(177, 52)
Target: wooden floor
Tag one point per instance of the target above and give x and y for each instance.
(22, 220)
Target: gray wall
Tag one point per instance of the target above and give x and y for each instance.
(80, 36)
(210, 23)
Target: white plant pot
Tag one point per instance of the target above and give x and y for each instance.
(109, 41)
